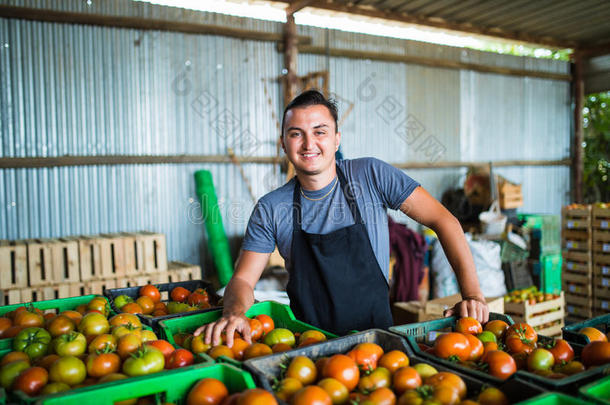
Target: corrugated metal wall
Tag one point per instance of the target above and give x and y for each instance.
(81, 90)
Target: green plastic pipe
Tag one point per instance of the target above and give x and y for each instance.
(217, 238)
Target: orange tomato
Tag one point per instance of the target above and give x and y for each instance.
(14, 356)
(146, 303)
(452, 344)
(445, 378)
(221, 350)
(393, 360)
(152, 292)
(256, 396)
(342, 368)
(280, 347)
(406, 378)
(366, 355)
(239, 348)
(267, 322)
(594, 335)
(468, 325)
(312, 395)
(476, 347)
(132, 308)
(74, 315)
(257, 350)
(256, 328)
(207, 391)
(164, 347)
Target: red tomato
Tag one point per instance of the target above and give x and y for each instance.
(151, 292)
(406, 378)
(476, 347)
(312, 395)
(179, 294)
(208, 391)
(497, 327)
(366, 355)
(256, 328)
(164, 346)
(342, 368)
(596, 353)
(516, 344)
(452, 344)
(523, 330)
(180, 358)
(256, 396)
(561, 350)
(31, 380)
(267, 322)
(99, 365)
(500, 364)
(468, 325)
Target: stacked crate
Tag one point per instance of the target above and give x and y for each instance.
(41, 269)
(577, 274)
(601, 258)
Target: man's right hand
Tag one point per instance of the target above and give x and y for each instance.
(228, 324)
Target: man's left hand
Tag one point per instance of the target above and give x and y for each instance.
(473, 307)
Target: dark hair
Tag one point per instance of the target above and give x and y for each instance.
(309, 98)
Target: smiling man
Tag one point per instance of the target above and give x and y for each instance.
(330, 225)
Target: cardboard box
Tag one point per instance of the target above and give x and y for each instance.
(415, 311)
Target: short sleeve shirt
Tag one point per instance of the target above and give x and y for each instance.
(377, 186)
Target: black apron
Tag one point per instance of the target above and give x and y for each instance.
(335, 281)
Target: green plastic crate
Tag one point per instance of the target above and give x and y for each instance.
(597, 392)
(550, 273)
(281, 314)
(570, 332)
(550, 230)
(57, 305)
(170, 386)
(554, 398)
(417, 331)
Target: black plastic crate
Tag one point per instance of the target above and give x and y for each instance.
(165, 289)
(266, 369)
(517, 275)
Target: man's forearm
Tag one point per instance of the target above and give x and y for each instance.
(238, 297)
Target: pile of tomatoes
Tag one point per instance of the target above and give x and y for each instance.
(81, 347)
(266, 339)
(149, 301)
(369, 375)
(500, 350)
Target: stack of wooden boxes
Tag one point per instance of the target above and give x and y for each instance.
(577, 275)
(40, 269)
(601, 259)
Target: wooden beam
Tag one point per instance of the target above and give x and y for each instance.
(432, 62)
(592, 51)
(111, 160)
(578, 87)
(437, 22)
(297, 5)
(64, 17)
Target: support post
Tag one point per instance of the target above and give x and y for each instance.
(578, 152)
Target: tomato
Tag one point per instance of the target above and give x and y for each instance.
(5, 323)
(100, 342)
(128, 344)
(310, 337)
(12, 331)
(31, 380)
(14, 356)
(198, 299)
(561, 350)
(256, 396)
(279, 335)
(99, 365)
(592, 334)
(379, 378)
(492, 396)
(523, 330)
(99, 304)
(497, 327)
(69, 369)
(381, 396)
(448, 379)
(145, 361)
(151, 292)
(120, 331)
(517, 344)
(436, 395)
(500, 364)
(33, 341)
(344, 369)
(208, 391)
(125, 319)
(489, 346)
(476, 347)
(147, 304)
(256, 329)
(81, 309)
(177, 307)
(179, 294)
(267, 322)
(452, 344)
(303, 369)
(257, 350)
(72, 344)
(338, 392)
(366, 355)
(148, 335)
(222, 350)
(393, 360)
(596, 353)
(73, 315)
(162, 345)
(60, 325)
(132, 308)
(311, 395)
(570, 368)
(29, 318)
(121, 300)
(46, 361)
(540, 359)
(54, 388)
(239, 347)
(180, 358)
(520, 360)
(468, 325)
(93, 324)
(286, 388)
(10, 371)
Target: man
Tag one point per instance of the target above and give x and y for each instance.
(330, 224)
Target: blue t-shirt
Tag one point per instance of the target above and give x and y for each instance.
(377, 187)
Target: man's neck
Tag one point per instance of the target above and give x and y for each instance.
(313, 182)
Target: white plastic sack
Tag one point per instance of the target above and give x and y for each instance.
(487, 261)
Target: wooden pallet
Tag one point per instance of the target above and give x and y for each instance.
(49, 292)
(536, 314)
(13, 264)
(52, 261)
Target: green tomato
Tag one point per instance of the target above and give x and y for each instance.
(121, 300)
(174, 307)
(487, 336)
(54, 388)
(71, 344)
(379, 378)
(69, 369)
(540, 360)
(145, 361)
(10, 371)
(279, 335)
(33, 341)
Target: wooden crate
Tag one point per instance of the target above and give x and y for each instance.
(601, 246)
(571, 287)
(537, 314)
(574, 311)
(582, 214)
(553, 330)
(149, 252)
(48, 292)
(180, 271)
(52, 261)
(13, 264)
(577, 240)
(601, 218)
(510, 195)
(581, 262)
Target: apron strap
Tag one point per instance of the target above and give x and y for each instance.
(347, 193)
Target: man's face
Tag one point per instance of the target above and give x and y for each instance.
(310, 140)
